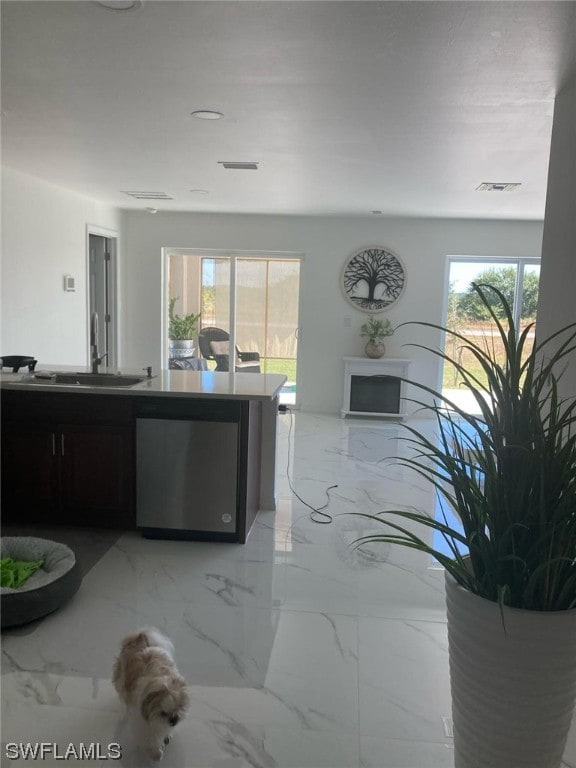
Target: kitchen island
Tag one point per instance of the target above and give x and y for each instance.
(183, 454)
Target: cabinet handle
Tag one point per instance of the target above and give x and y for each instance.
(53, 444)
(62, 445)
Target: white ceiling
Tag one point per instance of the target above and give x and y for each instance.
(348, 107)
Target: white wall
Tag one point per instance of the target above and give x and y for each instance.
(44, 238)
(557, 296)
(327, 242)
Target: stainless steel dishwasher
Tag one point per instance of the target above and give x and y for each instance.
(187, 468)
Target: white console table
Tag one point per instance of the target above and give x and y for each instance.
(375, 387)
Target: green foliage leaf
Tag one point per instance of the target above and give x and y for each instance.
(181, 327)
(376, 330)
(470, 306)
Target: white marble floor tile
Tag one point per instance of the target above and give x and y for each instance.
(51, 724)
(396, 753)
(258, 548)
(404, 679)
(192, 577)
(228, 743)
(314, 578)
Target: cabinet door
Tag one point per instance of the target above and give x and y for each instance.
(29, 473)
(97, 475)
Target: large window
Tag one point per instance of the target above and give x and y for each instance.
(518, 280)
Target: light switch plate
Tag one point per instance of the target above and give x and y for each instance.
(69, 283)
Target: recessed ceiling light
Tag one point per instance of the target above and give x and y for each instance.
(152, 210)
(498, 186)
(233, 166)
(120, 5)
(199, 191)
(207, 114)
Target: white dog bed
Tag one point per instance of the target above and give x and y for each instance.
(48, 588)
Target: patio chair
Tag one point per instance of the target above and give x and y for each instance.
(215, 345)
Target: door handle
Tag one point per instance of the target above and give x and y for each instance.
(53, 444)
(62, 445)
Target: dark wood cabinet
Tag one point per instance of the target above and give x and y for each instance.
(67, 461)
(96, 473)
(29, 472)
(71, 459)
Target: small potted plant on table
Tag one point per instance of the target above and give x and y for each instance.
(182, 330)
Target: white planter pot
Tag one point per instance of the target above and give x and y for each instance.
(181, 348)
(513, 687)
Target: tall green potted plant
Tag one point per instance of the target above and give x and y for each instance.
(182, 330)
(509, 474)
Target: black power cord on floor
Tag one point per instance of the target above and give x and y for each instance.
(315, 510)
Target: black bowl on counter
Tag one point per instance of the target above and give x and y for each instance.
(18, 361)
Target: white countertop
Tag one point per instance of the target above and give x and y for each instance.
(165, 383)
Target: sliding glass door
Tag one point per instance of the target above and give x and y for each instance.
(255, 295)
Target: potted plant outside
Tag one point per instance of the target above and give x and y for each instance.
(376, 331)
(182, 330)
(509, 474)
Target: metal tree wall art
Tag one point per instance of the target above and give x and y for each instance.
(373, 279)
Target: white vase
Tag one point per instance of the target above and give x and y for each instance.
(513, 685)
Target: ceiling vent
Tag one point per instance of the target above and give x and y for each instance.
(498, 186)
(149, 195)
(238, 166)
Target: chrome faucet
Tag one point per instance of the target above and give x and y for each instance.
(94, 357)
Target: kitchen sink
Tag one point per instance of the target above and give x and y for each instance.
(93, 379)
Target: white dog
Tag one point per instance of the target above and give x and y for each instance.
(148, 682)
